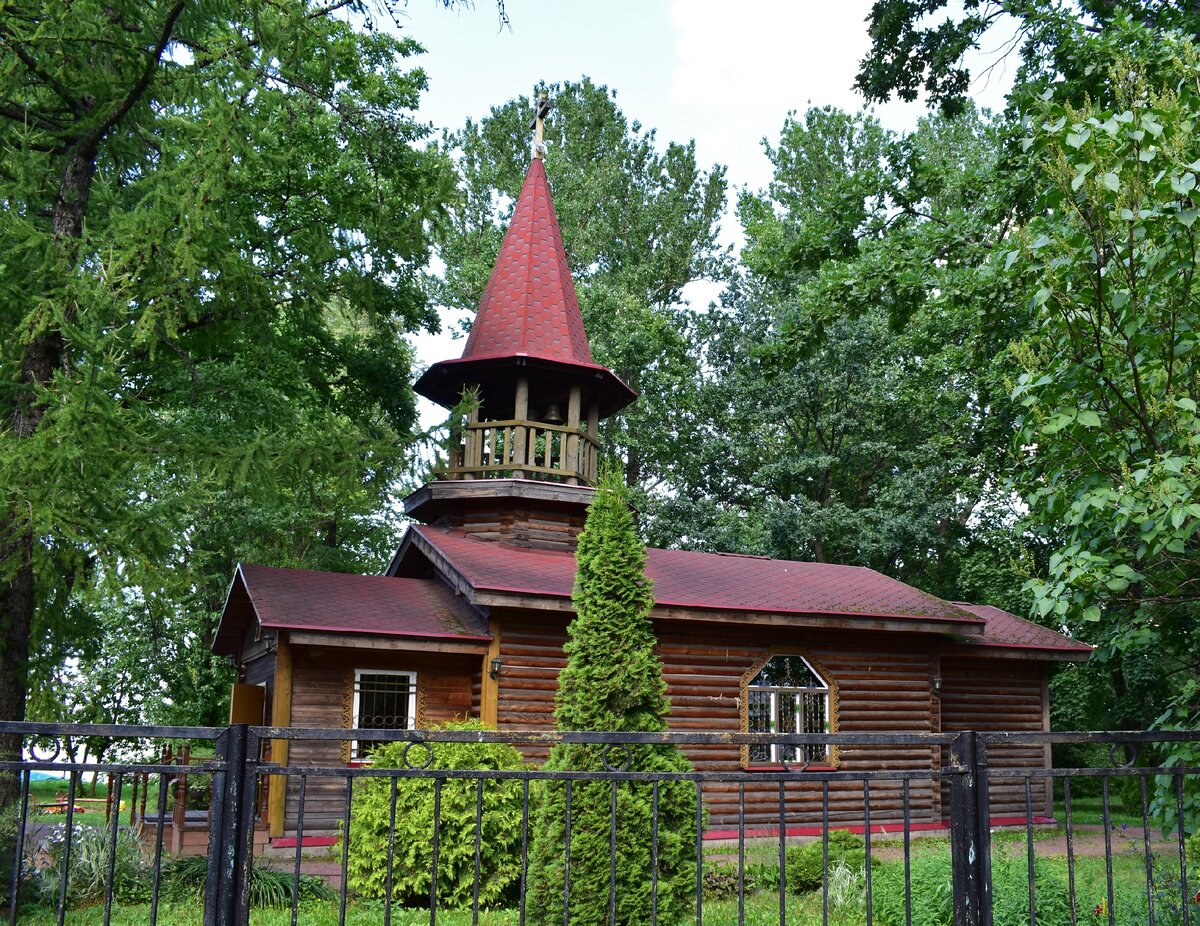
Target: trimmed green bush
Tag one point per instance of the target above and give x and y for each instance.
(613, 681)
(1192, 848)
(805, 865)
(412, 863)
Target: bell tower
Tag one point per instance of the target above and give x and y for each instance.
(522, 468)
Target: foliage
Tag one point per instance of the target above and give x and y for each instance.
(1110, 434)
(410, 840)
(805, 864)
(919, 45)
(932, 891)
(765, 875)
(638, 224)
(721, 881)
(211, 234)
(847, 892)
(183, 878)
(87, 873)
(1161, 887)
(613, 681)
(857, 409)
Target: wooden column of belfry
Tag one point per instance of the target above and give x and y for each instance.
(489, 691)
(473, 453)
(593, 430)
(570, 450)
(521, 414)
(281, 716)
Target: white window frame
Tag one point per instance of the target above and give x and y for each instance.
(410, 720)
(773, 692)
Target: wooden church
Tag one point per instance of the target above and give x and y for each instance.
(470, 617)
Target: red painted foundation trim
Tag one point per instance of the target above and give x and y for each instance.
(888, 829)
(289, 842)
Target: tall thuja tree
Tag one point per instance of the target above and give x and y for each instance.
(639, 221)
(613, 682)
(212, 219)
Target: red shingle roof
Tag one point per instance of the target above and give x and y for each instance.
(529, 306)
(1008, 630)
(708, 581)
(529, 312)
(334, 602)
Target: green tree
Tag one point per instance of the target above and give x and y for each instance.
(638, 223)
(916, 48)
(1110, 433)
(857, 409)
(213, 222)
(613, 681)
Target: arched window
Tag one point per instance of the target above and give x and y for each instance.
(788, 695)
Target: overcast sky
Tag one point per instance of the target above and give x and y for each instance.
(725, 74)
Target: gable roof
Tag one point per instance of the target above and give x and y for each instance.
(335, 602)
(701, 582)
(1011, 632)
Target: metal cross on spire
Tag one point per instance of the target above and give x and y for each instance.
(541, 109)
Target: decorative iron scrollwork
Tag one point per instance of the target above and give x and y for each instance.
(408, 762)
(1128, 750)
(46, 749)
(606, 757)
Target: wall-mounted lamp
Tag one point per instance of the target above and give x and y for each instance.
(496, 666)
(937, 686)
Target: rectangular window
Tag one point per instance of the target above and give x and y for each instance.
(382, 701)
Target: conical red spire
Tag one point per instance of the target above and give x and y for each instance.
(529, 314)
(529, 307)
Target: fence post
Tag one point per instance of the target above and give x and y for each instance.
(231, 830)
(970, 837)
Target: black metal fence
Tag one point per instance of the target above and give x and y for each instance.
(143, 822)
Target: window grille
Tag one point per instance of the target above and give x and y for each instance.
(788, 696)
(382, 701)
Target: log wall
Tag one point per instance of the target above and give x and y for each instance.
(322, 697)
(1000, 695)
(531, 527)
(883, 684)
(882, 687)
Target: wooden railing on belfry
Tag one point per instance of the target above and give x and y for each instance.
(524, 449)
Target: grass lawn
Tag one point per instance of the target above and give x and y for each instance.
(1090, 811)
(760, 907)
(54, 790)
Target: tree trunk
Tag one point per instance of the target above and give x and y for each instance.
(16, 613)
(44, 355)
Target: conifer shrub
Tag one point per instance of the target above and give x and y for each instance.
(412, 860)
(613, 681)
